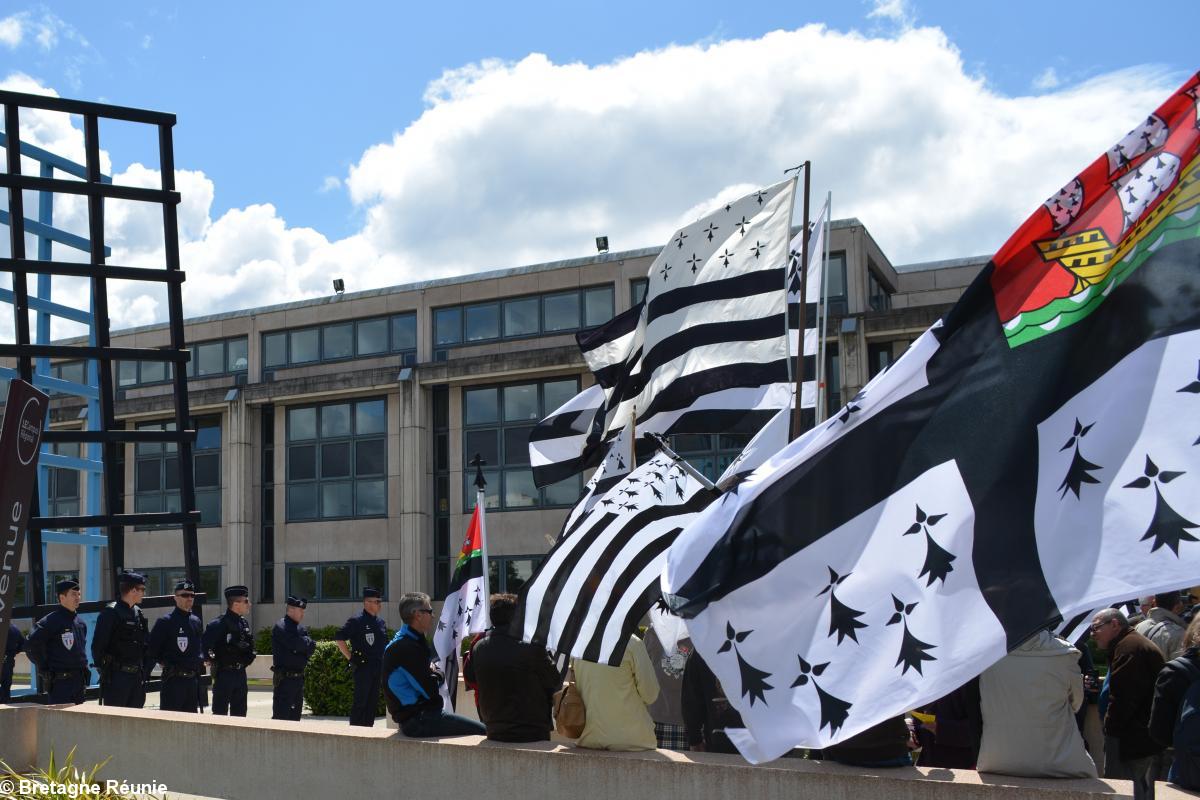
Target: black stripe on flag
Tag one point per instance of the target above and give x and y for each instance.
(745, 285)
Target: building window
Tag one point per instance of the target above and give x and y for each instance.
(833, 380)
(72, 371)
(637, 290)
(836, 275)
(710, 453)
(267, 515)
(336, 582)
(510, 573)
(209, 359)
(496, 425)
(161, 580)
(877, 296)
(554, 312)
(62, 490)
(341, 341)
(879, 357)
(441, 489)
(337, 460)
(156, 472)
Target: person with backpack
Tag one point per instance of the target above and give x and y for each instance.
(1175, 713)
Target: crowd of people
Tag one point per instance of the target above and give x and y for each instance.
(1026, 715)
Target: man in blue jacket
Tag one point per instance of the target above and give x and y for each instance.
(412, 680)
(291, 647)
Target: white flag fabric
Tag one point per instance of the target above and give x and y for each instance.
(562, 445)
(467, 607)
(602, 575)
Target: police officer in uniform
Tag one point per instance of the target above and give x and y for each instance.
(291, 648)
(230, 647)
(58, 648)
(14, 645)
(175, 642)
(362, 641)
(119, 645)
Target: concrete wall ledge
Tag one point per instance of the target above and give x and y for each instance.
(239, 759)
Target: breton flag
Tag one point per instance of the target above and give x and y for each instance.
(708, 350)
(467, 607)
(1034, 456)
(602, 575)
(563, 445)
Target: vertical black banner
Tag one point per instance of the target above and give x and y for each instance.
(20, 443)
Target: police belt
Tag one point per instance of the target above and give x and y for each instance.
(66, 675)
(132, 669)
(288, 673)
(171, 672)
(231, 668)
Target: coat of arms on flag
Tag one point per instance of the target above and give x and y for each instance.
(1030, 457)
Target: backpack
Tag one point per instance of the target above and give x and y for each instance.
(570, 715)
(1185, 770)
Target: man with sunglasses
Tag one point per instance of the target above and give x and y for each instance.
(175, 642)
(229, 645)
(361, 641)
(119, 645)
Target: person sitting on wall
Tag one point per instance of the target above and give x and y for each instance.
(411, 679)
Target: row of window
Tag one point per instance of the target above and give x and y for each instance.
(209, 360)
(342, 340)
(341, 581)
(156, 471)
(337, 460)
(162, 580)
(557, 312)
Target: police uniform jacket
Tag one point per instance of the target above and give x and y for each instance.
(59, 642)
(175, 641)
(366, 635)
(228, 641)
(15, 643)
(291, 645)
(121, 636)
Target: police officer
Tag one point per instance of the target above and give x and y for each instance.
(291, 648)
(119, 645)
(175, 642)
(14, 645)
(366, 635)
(230, 647)
(58, 648)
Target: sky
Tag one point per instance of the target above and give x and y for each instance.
(390, 142)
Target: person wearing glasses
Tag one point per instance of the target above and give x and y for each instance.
(411, 691)
(119, 645)
(1133, 666)
(361, 641)
(229, 645)
(175, 643)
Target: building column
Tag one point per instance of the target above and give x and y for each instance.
(238, 463)
(409, 491)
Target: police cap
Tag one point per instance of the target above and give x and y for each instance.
(371, 591)
(234, 592)
(297, 602)
(62, 587)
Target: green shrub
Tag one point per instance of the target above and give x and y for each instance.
(329, 683)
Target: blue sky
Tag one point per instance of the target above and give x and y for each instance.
(281, 104)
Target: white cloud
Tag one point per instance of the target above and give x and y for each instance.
(12, 30)
(514, 163)
(898, 11)
(331, 183)
(1047, 79)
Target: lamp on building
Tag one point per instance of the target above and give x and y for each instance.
(601, 244)
(405, 374)
(339, 285)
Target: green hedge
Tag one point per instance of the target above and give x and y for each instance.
(329, 683)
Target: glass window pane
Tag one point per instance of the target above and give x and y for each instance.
(154, 582)
(482, 406)
(210, 358)
(483, 322)
(335, 582)
(127, 373)
(837, 274)
(372, 336)
(447, 326)
(237, 357)
(275, 349)
(335, 420)
(371, 498)
(492, 492)
(208, 436)
(597, 305)
(521, 317)
(336, 500)
(66, 483)
(516, 445)
(335, 460)
(302, 581)
(519, 491)
(306, 345)
(561, 311)
(148, 448)
(556, 393)
(404, 332)
(517, 572)
(302, 463)
(147, 476)
(73, 371)
(370, 417)
(637, 290)
(374, 575)
(302, 502)
(302, 424)
(170, 447)
(337, 341)
(691, 443)
(208, 470)
(483, 442)
(441, 452)
(208, 503)
(370, 457)
(210, 581)
(564, 493)
(171, 472)
(153, 372)
(148, 503)
(521, 403)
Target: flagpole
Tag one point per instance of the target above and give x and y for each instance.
(683, 464)
(819, 412)
(481, 503)
(797, 426)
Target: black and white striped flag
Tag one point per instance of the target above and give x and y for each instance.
(564, 443)
(603, 574)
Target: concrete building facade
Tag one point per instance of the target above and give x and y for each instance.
(333, 432)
